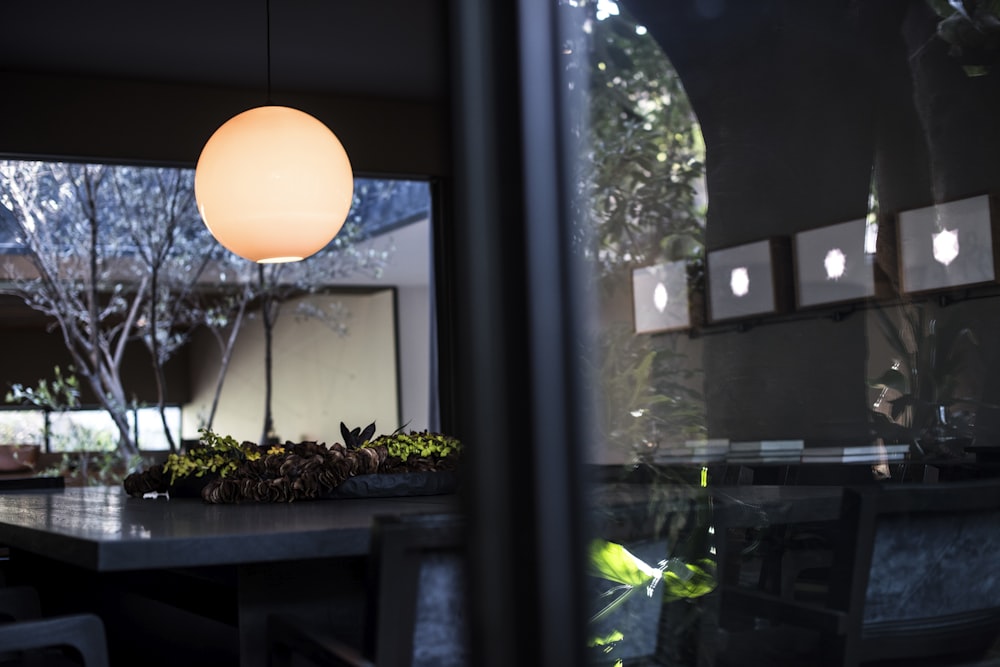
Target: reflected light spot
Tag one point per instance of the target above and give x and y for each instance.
(871, 237)
(739, 281)
(660, 297)
(834, 262)
(139, 531)
(946, 246)
(606, 8)
(640, 30)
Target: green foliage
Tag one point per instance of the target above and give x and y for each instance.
(613, 562)
(649, 394)
(216, 454)
(642, 150)
(972, 31)
(932, 352)
(607, 643)
(610, 638)
(638, 203)
(689, 580)
(418, 444)
(616, 563)
(62, 393)
(402, 445)
(222, 455)
(90, 456)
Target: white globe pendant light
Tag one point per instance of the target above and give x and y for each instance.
(273, 184)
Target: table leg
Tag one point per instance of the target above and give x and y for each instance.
(328, 593)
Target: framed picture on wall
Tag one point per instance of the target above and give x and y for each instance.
(838, 263)
(947, 245)
(748, 280)
(660, 298)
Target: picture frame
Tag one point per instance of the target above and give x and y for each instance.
(839, 263)
(748, 280)
(947, 245)
(660, 299)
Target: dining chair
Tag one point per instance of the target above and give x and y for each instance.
(29, 639)
(913, 576)
(416, 601)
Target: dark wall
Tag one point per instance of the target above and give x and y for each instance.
(142, 121)
(799, 102)
(30, 354)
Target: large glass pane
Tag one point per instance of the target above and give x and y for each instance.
(82, 431)
(22, 427)
(126, 304)
(787, 214)
(149, 427)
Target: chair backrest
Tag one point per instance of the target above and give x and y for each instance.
(922, 571)
(417, 615)
(82, 635)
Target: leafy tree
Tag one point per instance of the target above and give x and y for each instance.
(98, 254)
(642, 153)
(639, 202)
(117, 255)
(173, 251)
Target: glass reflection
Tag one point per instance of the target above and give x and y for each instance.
(880, 373)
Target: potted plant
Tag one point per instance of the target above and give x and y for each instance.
(927, 394)
(221, 469)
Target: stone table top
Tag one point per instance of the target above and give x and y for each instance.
(104, 529)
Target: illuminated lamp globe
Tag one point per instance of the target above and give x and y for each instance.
(273, 184)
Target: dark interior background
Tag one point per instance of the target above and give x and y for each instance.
(799, 103)
(151, 81)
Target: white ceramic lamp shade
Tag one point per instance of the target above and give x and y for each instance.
(273, 184)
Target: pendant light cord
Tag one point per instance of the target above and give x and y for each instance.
(267, 15)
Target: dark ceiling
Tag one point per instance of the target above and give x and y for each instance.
(383, 48)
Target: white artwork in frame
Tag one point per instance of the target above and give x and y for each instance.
(947, 245)
(660, 298)
(741, 281)
(835, 264)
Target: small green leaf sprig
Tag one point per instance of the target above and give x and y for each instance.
(220, 454)
(421, 444)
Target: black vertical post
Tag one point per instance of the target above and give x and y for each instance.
(516, 380)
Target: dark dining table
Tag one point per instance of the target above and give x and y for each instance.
(179, 577)
(228, 565)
